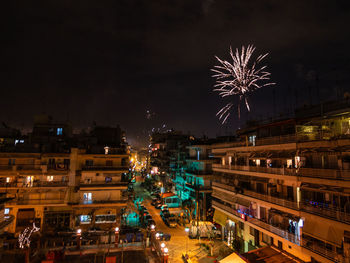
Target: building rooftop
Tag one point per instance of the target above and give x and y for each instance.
(269, 255)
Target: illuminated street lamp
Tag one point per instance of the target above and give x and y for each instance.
(153, 227)
(157, 235)
(116, 232)
(186, 230)
(165, 255)
(78, 238)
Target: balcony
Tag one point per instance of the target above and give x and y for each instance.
(199, 187)
(104, 168)
(198, 172)
(258, 169)
(277, 231)
(323, 251)
(19, 167)
(306, 172)
(290, 138)
(103, 184)
(334, 214)
(35, 184)
(263, 197)
(122, 200)
(7, 220)
(36, 202)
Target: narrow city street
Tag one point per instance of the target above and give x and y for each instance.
(179, 241)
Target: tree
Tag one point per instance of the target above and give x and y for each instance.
(189, 206)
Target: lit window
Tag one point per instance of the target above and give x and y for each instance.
(106, 149)
(105, 219)
(252, 139)
(87, 197)
(7, 211)
(85, 219)
(8, 179)
(59, 131)
(50, 178)
(29, 181)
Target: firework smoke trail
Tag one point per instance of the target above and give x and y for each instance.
(239, 78)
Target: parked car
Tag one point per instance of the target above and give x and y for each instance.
(164, 207)
(163, 236)
(171, 221)
(158, 204)
(154, 201)
(164, 214)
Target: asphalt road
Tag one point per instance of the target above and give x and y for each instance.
(179, 240)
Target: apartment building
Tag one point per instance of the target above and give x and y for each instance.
(62, 181)
(168, 155)
(193, 181)
(63, 190)
(287, 184)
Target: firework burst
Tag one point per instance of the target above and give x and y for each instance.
(239, 79)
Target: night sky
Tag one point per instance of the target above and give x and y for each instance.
(111, 61)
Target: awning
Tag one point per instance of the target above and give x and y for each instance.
(325, 232)
(220, 218)
(233, 258)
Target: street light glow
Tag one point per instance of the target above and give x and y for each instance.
(166, 250)
(79, 231)
(187, 229)
(162, 245)
(116, 229)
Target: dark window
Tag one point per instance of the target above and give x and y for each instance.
(109, 163)
(251, 230)
(89, 162)
(280, 245)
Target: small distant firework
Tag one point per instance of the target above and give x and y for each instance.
(239, 79)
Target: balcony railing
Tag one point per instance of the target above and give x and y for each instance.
(332, 213)
(199, 187)
(34, 184)
(7, 220)
(122, 200)
(18, 167)
(270, 170)
(264, 197)
(198, 172)
(104, 168)
(102, 184)
(36, 202)
(290, 138)
(323, 251)
(307, 172)
(277, 231)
